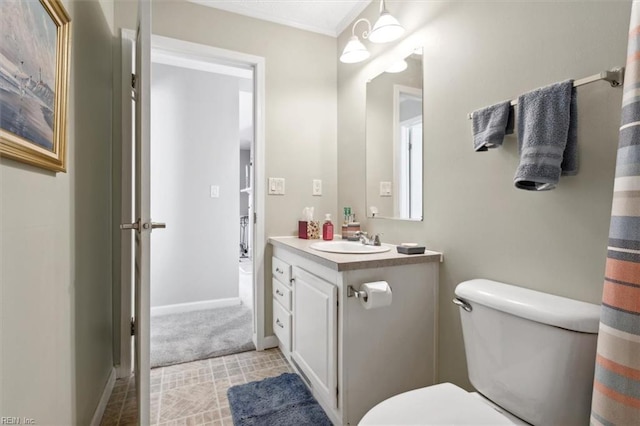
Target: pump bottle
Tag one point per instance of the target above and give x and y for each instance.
(327, 228)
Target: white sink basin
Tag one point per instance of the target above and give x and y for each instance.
(348, 247)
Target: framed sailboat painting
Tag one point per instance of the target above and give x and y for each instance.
(34, 76)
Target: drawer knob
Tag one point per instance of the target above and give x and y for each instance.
(279, 293)
(279, 323)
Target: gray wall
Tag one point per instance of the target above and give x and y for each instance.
(476, 54)
(55, 290)
(300, 114)
(194, 134)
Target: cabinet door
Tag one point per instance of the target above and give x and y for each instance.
(282, 326)
(315, 332)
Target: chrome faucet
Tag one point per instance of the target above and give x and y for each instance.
(373, 241)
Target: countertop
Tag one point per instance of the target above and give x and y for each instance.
(349, 262)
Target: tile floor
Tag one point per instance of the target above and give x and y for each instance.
(194, 393)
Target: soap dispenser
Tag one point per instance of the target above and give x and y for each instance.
(327, 228)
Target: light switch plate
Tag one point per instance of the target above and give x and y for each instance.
(385, 189)
(276, 186)
(214, 191)
(317, 187)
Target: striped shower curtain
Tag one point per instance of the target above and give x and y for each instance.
(616, 388)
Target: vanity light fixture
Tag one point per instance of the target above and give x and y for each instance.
(386, 29)
(354, 51)
(397, 67)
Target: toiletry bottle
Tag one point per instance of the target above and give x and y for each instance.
(327, 228)
(345, 223)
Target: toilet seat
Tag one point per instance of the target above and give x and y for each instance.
(442, 404)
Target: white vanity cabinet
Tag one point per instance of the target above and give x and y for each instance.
(281, 286)
(352, 358)
(315, 331)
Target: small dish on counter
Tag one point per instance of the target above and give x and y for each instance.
(410, 248)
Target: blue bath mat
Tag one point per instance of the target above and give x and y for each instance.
(282, 401)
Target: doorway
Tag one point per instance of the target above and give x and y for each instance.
(248, 234)
(198, 111)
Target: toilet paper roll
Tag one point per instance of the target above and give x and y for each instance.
(378, 294)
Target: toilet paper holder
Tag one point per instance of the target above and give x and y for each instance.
(352, 292)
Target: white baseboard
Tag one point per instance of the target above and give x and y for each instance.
(104, 399)
(122, 371)
(194, 306)
(271, 342)
(267, 343)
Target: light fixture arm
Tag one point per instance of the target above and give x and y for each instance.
(382, 7)
(366, 33)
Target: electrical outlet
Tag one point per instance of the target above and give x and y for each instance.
(214, 191)
(385, 189)
(317, 187)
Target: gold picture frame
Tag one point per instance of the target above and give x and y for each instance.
(34, 81)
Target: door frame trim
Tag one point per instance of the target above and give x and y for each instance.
(204, 52)
(127, 40)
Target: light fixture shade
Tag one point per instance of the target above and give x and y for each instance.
(386, 29)
(354, 51)
(397, 67)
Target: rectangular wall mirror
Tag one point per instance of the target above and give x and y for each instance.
(394, 141)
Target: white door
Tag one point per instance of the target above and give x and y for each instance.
(143, 225)
(315, 333)
(142, 310)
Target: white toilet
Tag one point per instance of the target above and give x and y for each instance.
(530, 355)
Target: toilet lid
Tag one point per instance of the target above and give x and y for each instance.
(443, 404)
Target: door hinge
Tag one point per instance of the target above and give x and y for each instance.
(255, 218)
(337, 393)
(133, 326)
(133, 81)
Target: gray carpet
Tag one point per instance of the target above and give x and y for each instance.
(190, 336)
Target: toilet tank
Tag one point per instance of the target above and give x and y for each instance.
(529, 352)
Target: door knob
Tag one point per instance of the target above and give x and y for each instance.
(135, 225)
(154, 225)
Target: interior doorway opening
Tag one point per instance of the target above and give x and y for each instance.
(205, 59)
(201, 123)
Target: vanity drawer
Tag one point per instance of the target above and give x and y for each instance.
(282, 325)
(281, 270)
(282, 294)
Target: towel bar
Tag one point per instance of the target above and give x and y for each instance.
(614, 76)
